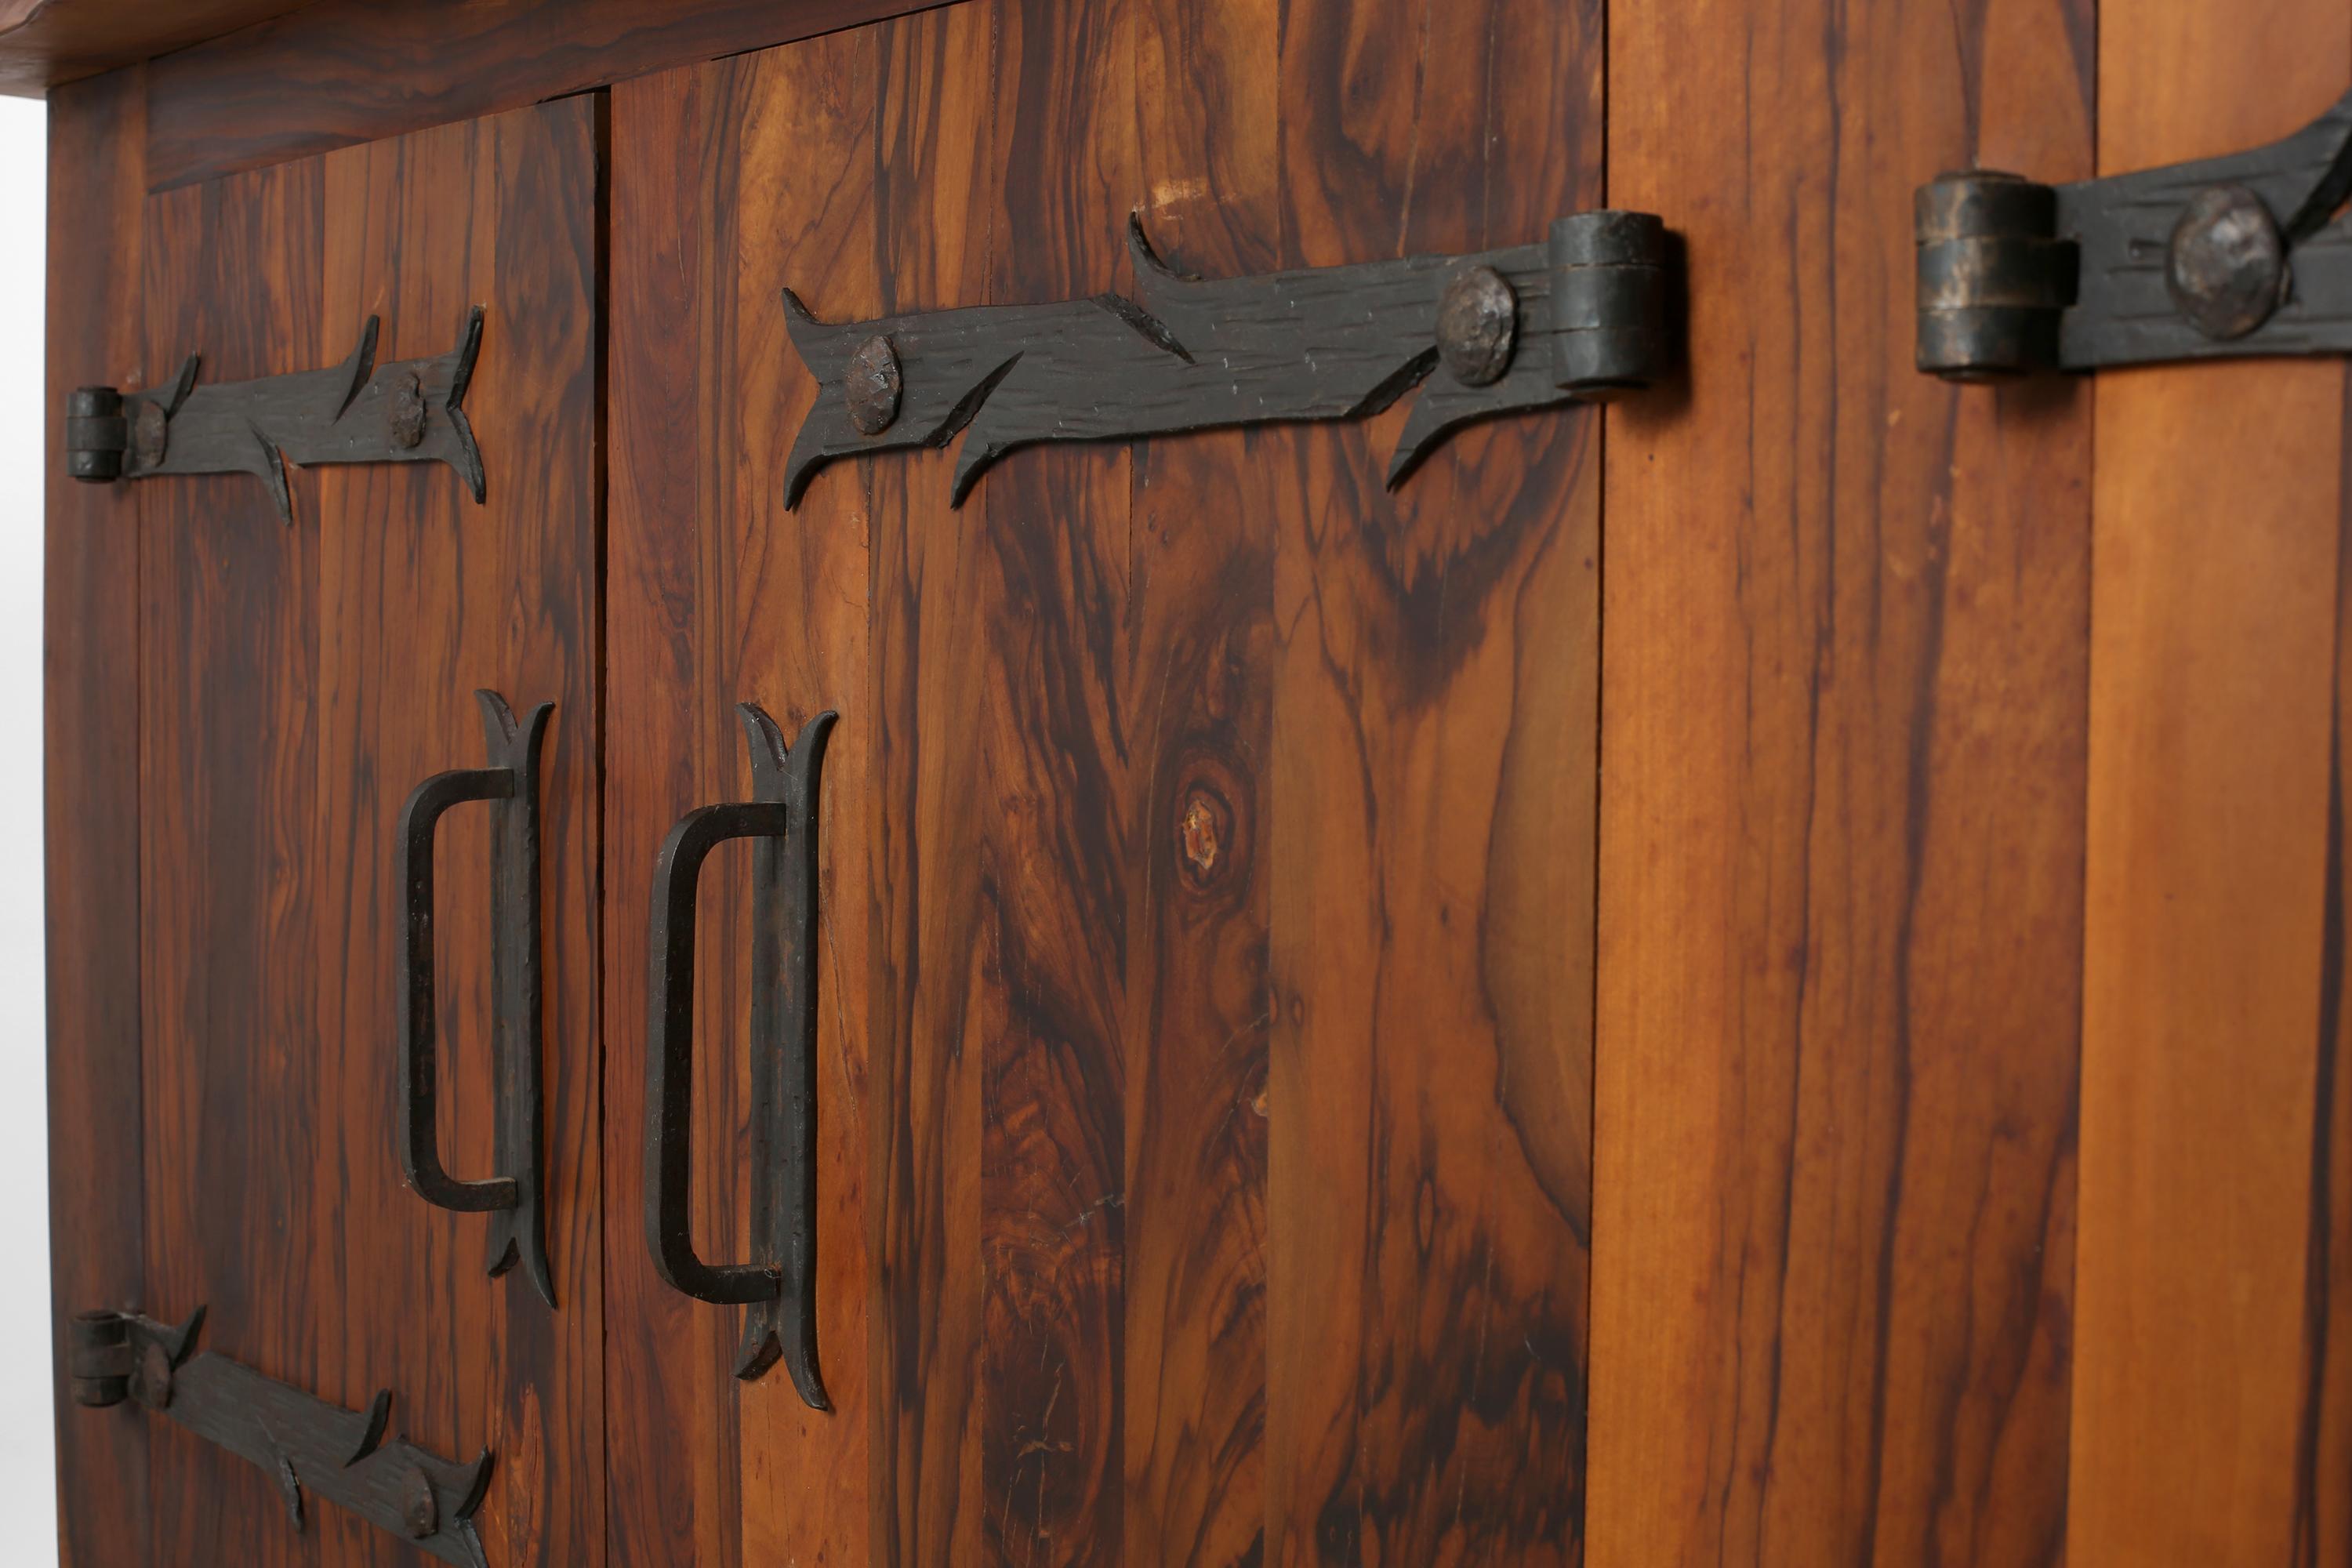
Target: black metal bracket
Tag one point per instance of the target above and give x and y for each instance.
(780, 1289)
(517, 1230)
(1581, 316)
(2244, 255)
(412, 410)
(299, 1440)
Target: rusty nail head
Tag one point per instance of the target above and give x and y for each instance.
(2227, 264)
(150, 433)
(1477, 323)
(151, 1384)
(871, 385)
(417, 1510)
(404, 410)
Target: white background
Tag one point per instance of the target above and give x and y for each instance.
(27, 1437)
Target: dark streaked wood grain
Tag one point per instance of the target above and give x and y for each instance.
(338, 72)
(1057, 812)
(91, 802)
(237, 1123)
(1430, 1187)
(296, 680)
(44, 42)
(934, 147)
(721, 172)
(2211, 1384)
(1198, 678)
(1841, 821)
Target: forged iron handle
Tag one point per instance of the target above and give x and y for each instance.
(779, 1290)
(518, 1233)
(420, 1151)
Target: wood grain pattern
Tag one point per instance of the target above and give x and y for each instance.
(232, 864)
(297, 679)
(934, 142)
(91, 786)
(1056, 811)
(714, 598)
(44, 42)
(1841, 821)
(338, 72)
(1429, 1197)
(2210, 1376)
(1199, 682)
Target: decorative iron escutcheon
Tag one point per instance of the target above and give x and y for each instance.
(1581, 316)
(357, 412)
(779, 1288)
(299, 1440)
(517, 1229)
(2241, 254)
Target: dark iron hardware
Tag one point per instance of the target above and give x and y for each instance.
(1581, 316)
(301, 1441)
(2237, 255)
(511, 782)
(357, 412)
(781, 1289)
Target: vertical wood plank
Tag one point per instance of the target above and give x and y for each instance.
(230, 780)
(1429, 1193)
(934, 149)
(91, 802)
(675, 1462)
(2211, 1030)
(730, 180)
(1841, 820)
(1057, 812)
(1198, 646)
(425, 597)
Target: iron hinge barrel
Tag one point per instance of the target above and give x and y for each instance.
(2244, 255)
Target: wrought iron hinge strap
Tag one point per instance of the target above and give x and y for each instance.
(1581, 316)
(300, 1441)
(411, 411)
(2242, 254)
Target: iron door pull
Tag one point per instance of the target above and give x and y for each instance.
(513, 1198)
(780, 1289)
(2243, 255)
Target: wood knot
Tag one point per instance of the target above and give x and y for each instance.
(1204, 831)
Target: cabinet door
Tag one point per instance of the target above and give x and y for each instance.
(1204, 1056)
(294, 679)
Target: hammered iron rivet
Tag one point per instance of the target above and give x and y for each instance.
(403, 411)
(418, 1513)
(1477, 323)
(2227, 265)
(871, 385)
(151, 1384)
(150, 433)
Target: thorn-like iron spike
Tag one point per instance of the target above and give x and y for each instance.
(372, 1430)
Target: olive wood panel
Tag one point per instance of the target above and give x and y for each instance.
(1842, 824)
(2214, 1334)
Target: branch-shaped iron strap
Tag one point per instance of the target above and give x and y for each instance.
(411, 411)
(2243, 255)
(303, 1442)
(1581, 316)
